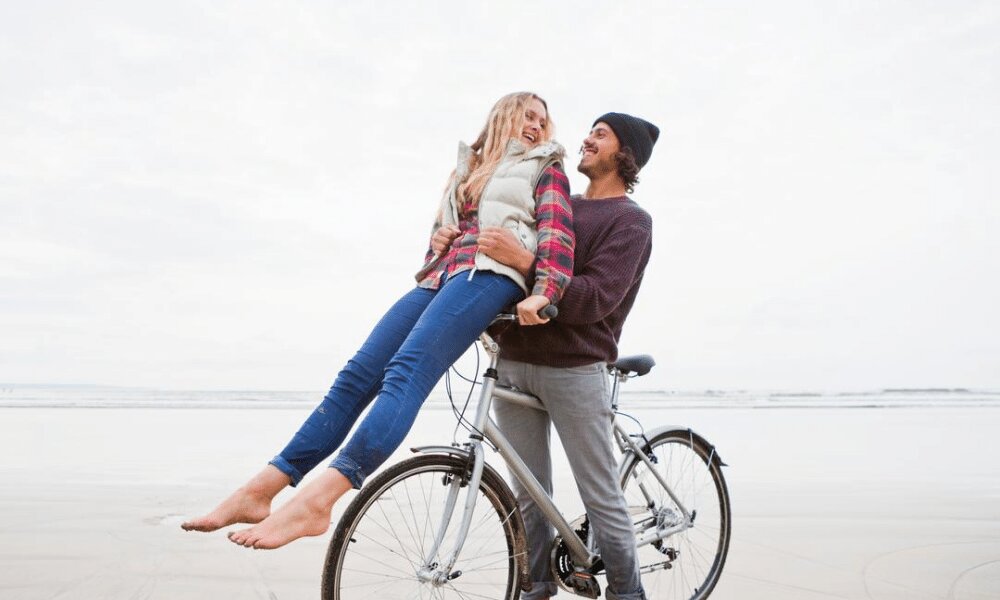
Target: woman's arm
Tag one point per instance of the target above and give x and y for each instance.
(441, 238)
(553, 260)
(549, 270)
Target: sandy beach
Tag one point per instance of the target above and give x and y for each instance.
(849, 503)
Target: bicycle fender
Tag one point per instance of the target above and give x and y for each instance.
(684, 431)
(454, 451)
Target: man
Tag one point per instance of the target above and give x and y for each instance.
(563, 362)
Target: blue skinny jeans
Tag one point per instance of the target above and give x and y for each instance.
(400, 362)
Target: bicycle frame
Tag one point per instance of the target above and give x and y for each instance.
(483, 427)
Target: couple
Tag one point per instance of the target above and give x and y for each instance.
(506, 232)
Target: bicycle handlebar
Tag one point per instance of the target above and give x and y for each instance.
(548, 312)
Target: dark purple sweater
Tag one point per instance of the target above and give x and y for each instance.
(613, 243)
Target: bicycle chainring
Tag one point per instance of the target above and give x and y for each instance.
(569, 577)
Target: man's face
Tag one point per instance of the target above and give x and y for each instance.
(598, 151)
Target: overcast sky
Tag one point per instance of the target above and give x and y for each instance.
(229, 194)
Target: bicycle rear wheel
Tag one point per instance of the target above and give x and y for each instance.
(687, 564)
(383, 539)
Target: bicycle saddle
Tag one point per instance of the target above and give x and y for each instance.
(640, 364)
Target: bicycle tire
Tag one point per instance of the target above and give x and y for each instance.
(380, 541)
(694, 473)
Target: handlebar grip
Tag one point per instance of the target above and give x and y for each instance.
(549, 312)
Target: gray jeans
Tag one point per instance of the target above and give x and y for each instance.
(578, 404)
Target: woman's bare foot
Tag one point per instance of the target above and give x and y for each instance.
(249, 504)
(307, 514)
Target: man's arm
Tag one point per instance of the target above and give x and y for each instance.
(600, 285)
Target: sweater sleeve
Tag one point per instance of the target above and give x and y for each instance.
(599, 286)
(553, 265)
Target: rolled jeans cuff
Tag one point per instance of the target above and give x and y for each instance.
(612, 596)
(286, 467)
(349, 469)
(540, 589)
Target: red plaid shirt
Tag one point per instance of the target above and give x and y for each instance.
(554, 256)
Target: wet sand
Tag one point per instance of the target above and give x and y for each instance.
(868, 504)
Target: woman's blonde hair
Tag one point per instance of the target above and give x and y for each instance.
(503, 124)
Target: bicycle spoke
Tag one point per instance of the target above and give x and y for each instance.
(375, 593)
(423, 550)
(470, 594)
(377, 574)
(506, 557)
(406, 522)
(392, 530)
(479, 550)
(389, 550)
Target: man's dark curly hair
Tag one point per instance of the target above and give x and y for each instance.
(627, 169)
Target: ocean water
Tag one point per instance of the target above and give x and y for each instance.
(96, 396)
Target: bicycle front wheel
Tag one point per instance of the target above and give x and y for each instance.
(381, 547)
(687, 564)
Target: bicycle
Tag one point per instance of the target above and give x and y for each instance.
(410, 533)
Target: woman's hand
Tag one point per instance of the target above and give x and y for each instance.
(502, 246)
(527, 310)
(443, 238)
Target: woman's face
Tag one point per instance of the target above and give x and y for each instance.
(535, 122)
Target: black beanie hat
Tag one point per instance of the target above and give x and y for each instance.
(633, 132)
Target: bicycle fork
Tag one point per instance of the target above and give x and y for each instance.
(430, 571)
(439, 574)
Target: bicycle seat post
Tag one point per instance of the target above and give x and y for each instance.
(617, 379)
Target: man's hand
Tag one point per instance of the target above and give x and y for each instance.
(443, 238)
(527, 310)
(503, 246)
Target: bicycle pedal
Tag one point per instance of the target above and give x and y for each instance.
(583, 584)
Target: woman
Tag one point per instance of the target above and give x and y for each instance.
(509, 178)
